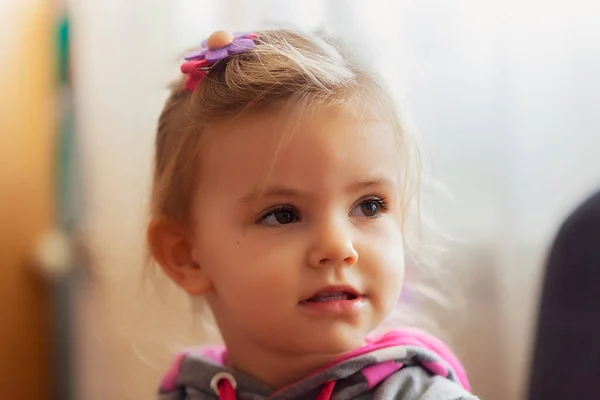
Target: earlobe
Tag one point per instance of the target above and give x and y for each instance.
(171, 249)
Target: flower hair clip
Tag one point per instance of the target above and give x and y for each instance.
(217, 47)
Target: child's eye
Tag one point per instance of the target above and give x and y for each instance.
(369, 208)
(280, 216)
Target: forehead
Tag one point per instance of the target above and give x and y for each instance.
(328, 148)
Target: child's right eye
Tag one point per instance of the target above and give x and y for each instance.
(279, 216)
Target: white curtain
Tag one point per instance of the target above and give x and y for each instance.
(504, 93)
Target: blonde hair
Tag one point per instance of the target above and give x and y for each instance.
(307, 71)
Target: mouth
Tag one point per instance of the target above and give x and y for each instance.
(334, 301)
(333, 295)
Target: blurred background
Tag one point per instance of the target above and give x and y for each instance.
(505, 95)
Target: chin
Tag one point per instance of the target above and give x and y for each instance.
(336, 341)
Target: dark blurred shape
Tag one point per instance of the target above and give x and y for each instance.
(566, 361)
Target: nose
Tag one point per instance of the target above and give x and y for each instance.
(333, 246)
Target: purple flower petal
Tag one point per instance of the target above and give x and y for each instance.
(215, 55)
(195, 55)
(239, 45)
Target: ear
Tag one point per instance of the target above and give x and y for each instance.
(170, 247)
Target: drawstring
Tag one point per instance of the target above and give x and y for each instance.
(224, 384)
(226, 390)
(326, 392)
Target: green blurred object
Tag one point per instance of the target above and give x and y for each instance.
(66, 139)
(63, 49)
(66, 211)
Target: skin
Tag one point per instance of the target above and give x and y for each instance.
(274, 222)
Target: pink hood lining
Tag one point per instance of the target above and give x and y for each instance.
(403, 337)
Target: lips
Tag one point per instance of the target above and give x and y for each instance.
(333, 294)
(334, 302)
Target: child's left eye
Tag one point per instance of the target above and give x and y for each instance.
(369, 208)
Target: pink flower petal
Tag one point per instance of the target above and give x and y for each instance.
(190, 66)
(194, 79)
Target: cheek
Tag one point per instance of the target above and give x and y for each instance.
(391, 261)
(385, 257)
(256, 267)
(389, 286)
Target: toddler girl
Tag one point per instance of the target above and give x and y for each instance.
(282, 179)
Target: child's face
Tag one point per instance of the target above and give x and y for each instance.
(274, 227)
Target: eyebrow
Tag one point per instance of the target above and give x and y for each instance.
(380, 182)
(271, 192)
(282, 191)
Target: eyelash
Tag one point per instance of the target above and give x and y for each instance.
(380, 201)
(277, 208)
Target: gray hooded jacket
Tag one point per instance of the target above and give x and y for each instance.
(403, 365)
